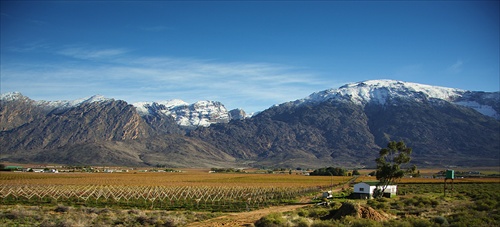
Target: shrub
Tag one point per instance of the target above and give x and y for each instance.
(440, 220)
(434, 202)
(380, 204)
(324, 224)
(360, 222)
(145, 220)
(382, 200)
(301, 222)
(318, 213)
(417, 222)
(15, 214)
(62, 209)
(271, 220)
(303, 213)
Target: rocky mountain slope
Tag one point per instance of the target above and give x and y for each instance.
(96, 131)
(347, 126)
(337, 127)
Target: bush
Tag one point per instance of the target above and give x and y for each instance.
(301, 222)
(421, 201)
(324, 224)
(271, 220)
(380, 204)
(62, 209)
(417, 222)
(360, 222)
(440, 220)
(318, 213)
(303, 213)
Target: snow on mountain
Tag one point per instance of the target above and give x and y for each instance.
(201, 113)
(205, 113)
(381, 91)
(12, 96)
(145, 108)
(483, 109)
(64, 104)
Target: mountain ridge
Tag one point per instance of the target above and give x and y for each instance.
(363, 92)
(336, 127)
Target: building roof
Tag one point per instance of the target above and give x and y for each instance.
(371, 183)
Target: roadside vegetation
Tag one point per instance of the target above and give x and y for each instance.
(419, 204)
(62, 215)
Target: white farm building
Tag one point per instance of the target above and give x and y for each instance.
(364, 190)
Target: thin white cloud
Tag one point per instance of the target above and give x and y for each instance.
(36, 46)
(456, 67)
(88, 53)
(120, 75)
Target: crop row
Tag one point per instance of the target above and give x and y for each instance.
(165, 197)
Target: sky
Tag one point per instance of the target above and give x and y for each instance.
(245, 54)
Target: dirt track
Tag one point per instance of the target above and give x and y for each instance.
(244, 218)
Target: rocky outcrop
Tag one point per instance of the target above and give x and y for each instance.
(237, 114)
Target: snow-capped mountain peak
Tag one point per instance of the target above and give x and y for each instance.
(11, 96)
(381, 91)
(145, 108)
(201, 113)
(64, 104)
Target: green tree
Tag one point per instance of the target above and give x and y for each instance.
(389, 165)
(330, 171)
(355, 172)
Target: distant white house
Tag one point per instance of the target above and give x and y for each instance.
(364, 190)
(53, 171)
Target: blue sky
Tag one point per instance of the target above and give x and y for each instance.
(245, 54)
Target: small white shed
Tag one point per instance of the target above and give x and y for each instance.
(364, 190)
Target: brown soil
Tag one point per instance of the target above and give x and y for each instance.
(357, 211)
(244, 218)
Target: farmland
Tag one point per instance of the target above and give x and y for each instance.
(187, 190)
(194, 196)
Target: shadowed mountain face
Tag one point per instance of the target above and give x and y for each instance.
(338, 127)
(346, 134)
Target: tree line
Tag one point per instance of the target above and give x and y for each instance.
(329, 171)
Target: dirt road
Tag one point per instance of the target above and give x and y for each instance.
(244, 218)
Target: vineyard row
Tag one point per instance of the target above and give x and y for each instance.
(154, 196)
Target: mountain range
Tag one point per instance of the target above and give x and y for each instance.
(345, 127)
